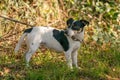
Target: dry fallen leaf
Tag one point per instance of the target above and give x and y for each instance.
(1, 73)
(6, 70)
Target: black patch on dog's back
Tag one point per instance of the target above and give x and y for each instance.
(61, 38)
(28, 30)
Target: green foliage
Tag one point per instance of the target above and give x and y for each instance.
(104, 19)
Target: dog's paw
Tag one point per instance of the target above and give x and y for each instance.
(27, 65)
(16, 50)
(79, 68)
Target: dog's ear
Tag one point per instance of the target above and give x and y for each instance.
(69, 22)
(84, 22)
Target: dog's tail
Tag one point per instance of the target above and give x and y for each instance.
(20, 42)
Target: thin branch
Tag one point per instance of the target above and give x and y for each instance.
(16, 21)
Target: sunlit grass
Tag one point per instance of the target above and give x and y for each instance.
(52, 66)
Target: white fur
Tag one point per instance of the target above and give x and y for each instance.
(70, 32)
(79, 36)
(76, 34)
(44, 36)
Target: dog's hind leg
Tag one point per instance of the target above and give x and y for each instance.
(20, 42)
(33, 47)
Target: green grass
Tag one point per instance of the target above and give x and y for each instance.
(100, 60)
(95, 65)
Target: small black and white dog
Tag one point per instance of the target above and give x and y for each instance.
(67, 41)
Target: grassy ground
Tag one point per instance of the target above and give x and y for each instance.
(48, 65)
(100, 60)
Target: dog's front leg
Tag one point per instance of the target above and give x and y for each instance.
(74, 54)
(68, 59)
(74, 58)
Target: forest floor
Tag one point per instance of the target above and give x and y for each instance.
(49, 65)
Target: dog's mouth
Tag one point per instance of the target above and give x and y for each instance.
(76, 36)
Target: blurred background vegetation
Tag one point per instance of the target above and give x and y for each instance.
(102, 35)
(103, 15)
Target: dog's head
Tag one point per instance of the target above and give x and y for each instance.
(75, 27)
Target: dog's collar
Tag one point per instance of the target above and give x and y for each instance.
(75, 39)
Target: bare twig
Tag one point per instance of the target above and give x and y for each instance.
(16, 21)
(54, 22)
